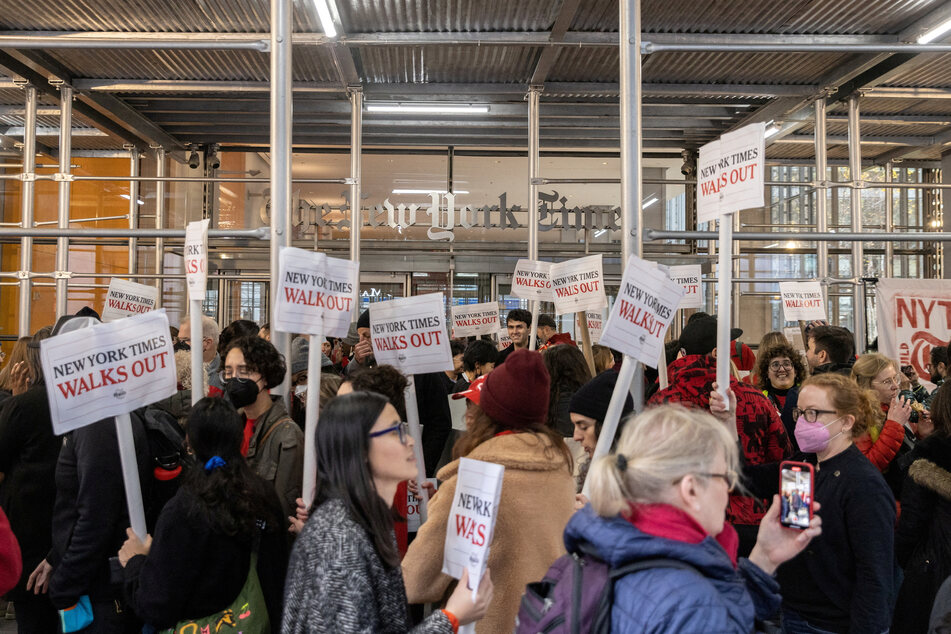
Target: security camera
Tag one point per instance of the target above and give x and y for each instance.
(689, 168)
(194, 160)
(211, 157)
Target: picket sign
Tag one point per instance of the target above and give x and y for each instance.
(646, 303)
(578, 285)
(475, 319)
(472, 519)
(688, 276)
(196, 277)
(125, 298)
(410, 334)
(582, 319)
(110, 370)
(531, 280)
(730, 178)
(315, 297)
(504, 340)
(802, 301)
(913, 318)
(413, 521)
(595, 319)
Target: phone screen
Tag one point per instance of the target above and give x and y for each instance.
(795, 496)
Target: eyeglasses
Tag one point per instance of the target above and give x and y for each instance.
(778, 365)
(730, 477)
(810, 414)
(890, 382)
(243, 373)
(401, 428)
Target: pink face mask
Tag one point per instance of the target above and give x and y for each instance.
(813, 437)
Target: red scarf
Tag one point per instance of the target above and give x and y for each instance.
(669, 522)
(248, 432)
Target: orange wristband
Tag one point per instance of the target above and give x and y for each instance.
(453, 621)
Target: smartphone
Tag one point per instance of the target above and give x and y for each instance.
(796, 493)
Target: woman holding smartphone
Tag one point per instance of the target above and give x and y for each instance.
(844, 582)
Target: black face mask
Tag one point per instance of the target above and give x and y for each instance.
(241, 392)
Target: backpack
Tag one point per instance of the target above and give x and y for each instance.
(167, 456)
(577, 594)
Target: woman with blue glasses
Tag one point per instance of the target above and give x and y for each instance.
(345, 573)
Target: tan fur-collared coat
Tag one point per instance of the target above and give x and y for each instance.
(537, 501)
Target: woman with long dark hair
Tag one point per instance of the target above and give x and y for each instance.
(344, 574)
(568, 371)
(201, 555)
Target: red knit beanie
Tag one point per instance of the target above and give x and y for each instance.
(515, 394)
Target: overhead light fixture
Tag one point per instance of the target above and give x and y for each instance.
(599, 233)
(936, 32)
(429, 108)
(650, 201)
(212, 160)
(427, 191)
(771, 128)
(326, 20)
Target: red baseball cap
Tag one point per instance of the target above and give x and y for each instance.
(474, 391)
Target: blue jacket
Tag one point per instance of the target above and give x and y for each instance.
(723, 599)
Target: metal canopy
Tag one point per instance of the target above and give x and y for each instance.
(179, 72)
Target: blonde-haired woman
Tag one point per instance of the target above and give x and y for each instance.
(664, 496)
(879, 374)
(845, 581)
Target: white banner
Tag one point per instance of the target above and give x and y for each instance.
(730, 173)
(802, 300)
(688, 276)
(532, 280)
(595, 325)
(108, 369)
(472, 519)
(410, 334)
(642, 312)
(126, 298)
(315, 293)
(578, 285)
(196, 258)
(475, 319)
(913, 317)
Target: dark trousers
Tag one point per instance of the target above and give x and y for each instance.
(747, 534)
(111, 617)
(434, 439)
(36, 615)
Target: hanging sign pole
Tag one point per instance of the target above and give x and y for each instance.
(724, 296)
(196, 275)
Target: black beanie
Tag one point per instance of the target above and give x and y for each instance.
(592, 398)
(364, 320)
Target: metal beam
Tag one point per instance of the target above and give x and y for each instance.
(12, 142)
(133, 121)
(566, 15)
(941, 139)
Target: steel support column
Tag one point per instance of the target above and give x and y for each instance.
(26, 209)
(62, 243)
(133, 209)
(534, 98)
(631, 134)
(159, 221)
(281, 119)
(356, 173)
(858, 255)
(889, 223)
(822, 214)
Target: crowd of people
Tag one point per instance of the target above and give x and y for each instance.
(689, 500)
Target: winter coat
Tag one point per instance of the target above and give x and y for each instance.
(555, 339)
(714, 598)
(90, 516)
(28, 454)
(337, 583)
(762, 436)
(192, 571)
(537, 501)
(278, 455)
(11, 563)
(923, 540)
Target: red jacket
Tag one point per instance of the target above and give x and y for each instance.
(11, 563)
(882, 449)
(762, 435)
(558, 337)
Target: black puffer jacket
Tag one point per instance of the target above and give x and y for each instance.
(923, 541)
